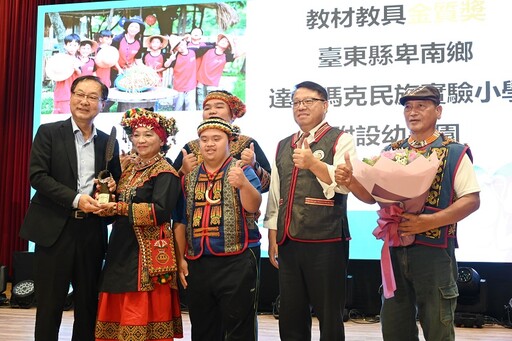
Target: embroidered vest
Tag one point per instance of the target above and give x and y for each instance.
(441, 192)
(221, 225)
(145, 225)
(304, 212)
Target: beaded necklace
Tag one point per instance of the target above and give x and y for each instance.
(420, 144)
(129, 187)
(143, 164)
(211, 182)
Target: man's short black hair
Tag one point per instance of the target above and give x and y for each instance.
(312, 86)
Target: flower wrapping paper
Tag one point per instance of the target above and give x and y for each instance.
(397, 188)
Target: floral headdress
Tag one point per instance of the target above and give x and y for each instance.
(140, 117)
(218, 123)
(235, 104)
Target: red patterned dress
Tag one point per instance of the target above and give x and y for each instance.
(133, 305)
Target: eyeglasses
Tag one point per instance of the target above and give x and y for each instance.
(307, 102)
(89, 98)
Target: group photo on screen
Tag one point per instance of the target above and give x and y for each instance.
(165, 57)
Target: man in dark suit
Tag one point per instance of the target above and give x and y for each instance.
(70, 240)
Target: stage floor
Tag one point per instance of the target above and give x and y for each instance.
(18, 325)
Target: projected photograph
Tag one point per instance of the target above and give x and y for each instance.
(166, 57)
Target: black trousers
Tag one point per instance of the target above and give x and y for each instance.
(222, 296)
(75, 258)
(312, 275)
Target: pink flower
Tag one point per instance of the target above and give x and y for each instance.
(399, 180)
(400, 156)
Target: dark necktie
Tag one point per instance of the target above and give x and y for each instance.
(301, 139)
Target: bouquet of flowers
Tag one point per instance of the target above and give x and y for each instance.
(399, 180)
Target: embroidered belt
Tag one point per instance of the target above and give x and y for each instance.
(319, 202)
(206, 231)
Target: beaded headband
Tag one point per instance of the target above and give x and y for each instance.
(140, 117)
(218, 123)
(236, 105)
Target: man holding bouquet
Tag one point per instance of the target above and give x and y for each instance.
(425, 272)
(307, 219)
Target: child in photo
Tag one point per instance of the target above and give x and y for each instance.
(87, 47)
(184, 80)
(154, 57)
(106, 57)
(64, 75)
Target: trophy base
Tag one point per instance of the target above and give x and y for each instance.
(104, 198)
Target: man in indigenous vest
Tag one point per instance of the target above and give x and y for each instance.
(223, 104)
(217, 240)
(426, 271)
(307, 219)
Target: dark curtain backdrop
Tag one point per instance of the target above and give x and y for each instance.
(17, 66)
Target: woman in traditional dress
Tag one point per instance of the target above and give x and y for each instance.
(136, 304)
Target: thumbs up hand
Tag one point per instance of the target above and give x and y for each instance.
(189, 162)
(347, 161)
(303, 157)
(343, 172)
(236, 176)
(248, 156)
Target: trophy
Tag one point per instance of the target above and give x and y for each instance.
(104, 176)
